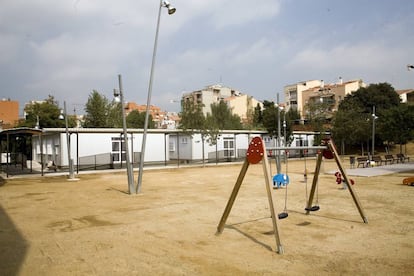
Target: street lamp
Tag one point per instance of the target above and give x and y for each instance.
(171, 10)
(374, 117)
(120, 96)
(70, 160)
(37, 122)
(278, 136)
(284, 129)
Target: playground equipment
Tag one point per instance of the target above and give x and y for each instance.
(284, 180)
(279, 180)
(256, 153)
(340, 180)
(315, 207)
(409, 181)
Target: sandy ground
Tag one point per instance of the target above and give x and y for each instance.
(50, 226)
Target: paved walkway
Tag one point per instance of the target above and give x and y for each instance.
(382, 170)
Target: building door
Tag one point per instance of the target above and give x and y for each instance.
(228, 147)
(118, 150)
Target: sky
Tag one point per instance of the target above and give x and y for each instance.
(68, 48)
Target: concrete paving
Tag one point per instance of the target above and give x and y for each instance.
(381, 170)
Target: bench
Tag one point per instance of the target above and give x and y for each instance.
(363, 160)
(401, 158)
(378, 160)
(390, 158)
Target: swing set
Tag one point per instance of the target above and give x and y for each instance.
(257, 152)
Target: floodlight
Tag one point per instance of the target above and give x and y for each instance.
(170, 8)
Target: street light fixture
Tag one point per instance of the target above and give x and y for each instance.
(70, 160)
(278, 167)
(374, 117)
(120, 96)
(171, 10)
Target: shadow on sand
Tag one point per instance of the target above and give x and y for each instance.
(13, 246)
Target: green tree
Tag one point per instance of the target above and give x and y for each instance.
(396, 124)
(290, 117)
(353, 120)
(191, 116)
(136, 119)
(352, 126)
(253, 118)
(381, 95)
(46, 113)
(114, 118)
(270, 118)
(220, 118)
(317, 117)
(223, 117)
(97, 110)
(258, 117)
(211, 129)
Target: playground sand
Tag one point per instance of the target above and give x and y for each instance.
(50, 226)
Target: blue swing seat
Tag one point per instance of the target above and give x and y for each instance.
(280, 179)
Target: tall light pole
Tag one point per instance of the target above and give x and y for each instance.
(70, 161)
(284, 128)
(171, 10)
(374, 117)
(278, 137)
(128, 160)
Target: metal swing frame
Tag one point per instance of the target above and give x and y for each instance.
(327, 145)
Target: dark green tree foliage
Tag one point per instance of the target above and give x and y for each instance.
(381, 95)
(97, 111)
(316, 115)
(270, 118)
(352, 122)
(258, 117)
(291, 117)
(114, 118)
(223, 117)
(352, 126)
(396, 124)
(47, 113)
(191, 116)
(211, 129)
(136, 119)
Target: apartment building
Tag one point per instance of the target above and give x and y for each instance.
(301, 94)
(240, 104)
(209, 95)
(406, 95)
(162, 119)
(243, 105)
(9, 113)
(293, 93)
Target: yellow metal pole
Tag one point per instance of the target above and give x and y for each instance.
(314, 182)
(268, 179)
(332, 147)
(233, 196)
